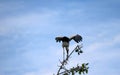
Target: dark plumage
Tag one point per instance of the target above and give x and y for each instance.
(77, 38)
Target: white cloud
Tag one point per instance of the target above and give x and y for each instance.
(33, 22)
(30, 19)
(104, 43)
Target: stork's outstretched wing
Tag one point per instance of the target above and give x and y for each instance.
(58, 39)
(77, 38)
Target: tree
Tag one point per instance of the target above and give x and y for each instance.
(78, 69)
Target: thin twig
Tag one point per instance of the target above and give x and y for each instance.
(65, 61)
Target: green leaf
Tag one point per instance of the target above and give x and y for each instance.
(86, 71)
(83, 65)
(76, 50)
(87, 63)
(80, 72)
(81, 51)
(72, 72)
(87, 68)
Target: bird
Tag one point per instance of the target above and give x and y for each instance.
(65, 42)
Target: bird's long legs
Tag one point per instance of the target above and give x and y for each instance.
(67, 51)
(63, 54)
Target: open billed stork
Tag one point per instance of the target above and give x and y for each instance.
(65, 42)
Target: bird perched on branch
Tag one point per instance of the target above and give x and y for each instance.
(65, 41)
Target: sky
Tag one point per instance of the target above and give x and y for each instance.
(28, 29)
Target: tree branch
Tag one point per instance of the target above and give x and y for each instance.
(77, 49)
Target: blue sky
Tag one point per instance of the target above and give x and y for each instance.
(28, 29)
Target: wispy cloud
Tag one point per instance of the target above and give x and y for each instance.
(27, 35)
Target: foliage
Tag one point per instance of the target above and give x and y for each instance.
(83, 69)
(78, 69)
